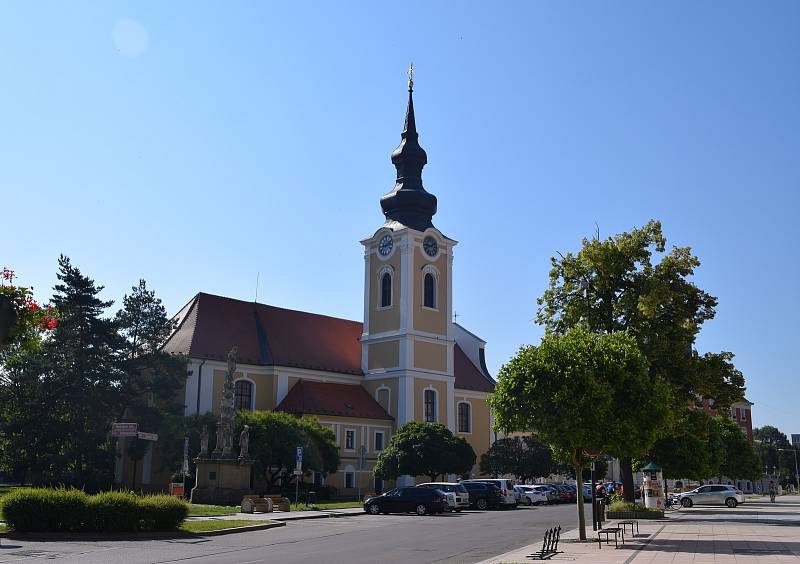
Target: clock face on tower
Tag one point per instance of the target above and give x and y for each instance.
(430, 246)
(385, 245)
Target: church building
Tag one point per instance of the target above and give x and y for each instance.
(407, 360)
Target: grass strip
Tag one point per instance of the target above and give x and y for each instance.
(218, 524)
(326, 505)
(200, 510)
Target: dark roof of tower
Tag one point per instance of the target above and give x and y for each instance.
(409, 204)
(208, 326)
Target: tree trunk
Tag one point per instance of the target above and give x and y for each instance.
(626, 470)
(576, 461)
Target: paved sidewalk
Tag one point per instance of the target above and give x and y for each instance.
(285, 515)
(756, 531)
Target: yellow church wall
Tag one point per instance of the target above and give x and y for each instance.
(387, 319)
(425, 319)
(391, 383)
(266, 389)
(480, 436)
(421, 384)
(430, 356)
(383, 355)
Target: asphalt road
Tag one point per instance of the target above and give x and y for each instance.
(466, 537)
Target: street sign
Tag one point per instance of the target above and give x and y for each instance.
(124, 429)
(185, 466)
(147, 436)
(298, 472)
(592, 453)
(299, 458)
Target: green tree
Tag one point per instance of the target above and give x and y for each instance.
(275, 435)
(424, 449)
(523, 457)
(149, 393)
(740, 461)
(81, 376)
(686, 451)
(614, 285)
(768, 440)
(569, 389)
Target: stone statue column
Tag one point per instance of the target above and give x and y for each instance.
(224, 448)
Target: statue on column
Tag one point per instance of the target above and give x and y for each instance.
(224, 448)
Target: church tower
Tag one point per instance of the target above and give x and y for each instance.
(407, 346)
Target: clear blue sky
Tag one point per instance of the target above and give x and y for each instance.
(196, 144)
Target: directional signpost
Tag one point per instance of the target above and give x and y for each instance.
(124, 429)
(147, 436)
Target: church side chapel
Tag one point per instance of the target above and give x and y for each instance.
(407, 360)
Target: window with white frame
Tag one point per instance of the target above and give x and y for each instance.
(350, 439)
(378, 441)
(243, 395)
(430, 405)
(464, 417)
(744, 415)
(429, 290)
(383, 396)
(385, 287)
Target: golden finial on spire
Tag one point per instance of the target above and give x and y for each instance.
(411, 78)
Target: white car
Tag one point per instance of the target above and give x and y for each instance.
(506, 486)
(712, 494)
(455, 492)
(531, 495)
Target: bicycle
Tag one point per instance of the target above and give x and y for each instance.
(772, 497)
(672, 503)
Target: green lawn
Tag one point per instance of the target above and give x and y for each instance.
(217, 524)
(3, 528)
(200, 510)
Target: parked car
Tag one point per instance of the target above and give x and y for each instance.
(460, 493)
(531, 495)
(551, 493)
(405, 500)
(712, 494)
(564, 494)
(506, 487)
(482, 495)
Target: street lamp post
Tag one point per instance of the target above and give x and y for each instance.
(584, 285)
(796, 474)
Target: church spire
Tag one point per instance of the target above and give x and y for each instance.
(408, 203)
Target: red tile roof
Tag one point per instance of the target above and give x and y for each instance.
(209, 326)
(469, 376)
(327, 398)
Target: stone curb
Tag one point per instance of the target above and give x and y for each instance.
(82, 537)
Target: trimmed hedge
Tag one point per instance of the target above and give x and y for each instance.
(69, 510)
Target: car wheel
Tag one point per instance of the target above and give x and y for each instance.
(730, 502)
(528, 501)
(374, 509)
(686, 502)
(449, 509)
(481, 504)
(458, 510)
(421, 509)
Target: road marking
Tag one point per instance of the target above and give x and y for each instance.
(251, 562)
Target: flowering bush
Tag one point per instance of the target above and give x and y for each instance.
(19, 311)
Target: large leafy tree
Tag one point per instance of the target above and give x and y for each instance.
(615, 285)
(523, 457)
(569, 390)
(424, 449)
(687, 451)
(768, 440)
(151, 380)
(275, 435)
(740, 460)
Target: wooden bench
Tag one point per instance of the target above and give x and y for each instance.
(282, 503)
(608, 531)
(549, 544)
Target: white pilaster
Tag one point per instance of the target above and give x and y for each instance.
(190, 391)
(282, 388)
(451, 409)
(147, 463)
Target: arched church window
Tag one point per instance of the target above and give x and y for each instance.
(464, 418)
(386, 290)
(383, 398)
(429, 291)
(430, 406)
(243, 395)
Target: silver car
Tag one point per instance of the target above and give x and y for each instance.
(712, 494)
